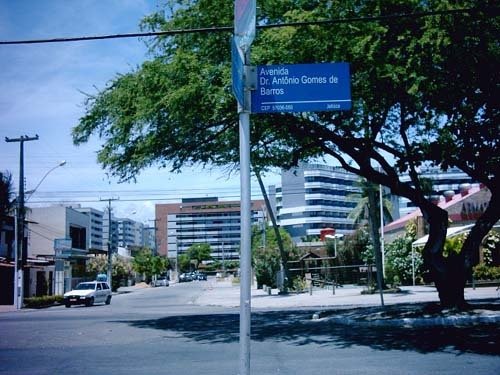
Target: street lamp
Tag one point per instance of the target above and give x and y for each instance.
(335, 237)
(32, 191)
(21, 254)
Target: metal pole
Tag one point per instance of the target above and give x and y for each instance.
(110, 253)
(16, 259)
(110, 248)
(244, 29)
(245, 261)
(413, 264)
(382, 231)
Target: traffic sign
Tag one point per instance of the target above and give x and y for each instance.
(302, 88)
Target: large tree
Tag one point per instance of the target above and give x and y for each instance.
(199, 252)
(177, 108)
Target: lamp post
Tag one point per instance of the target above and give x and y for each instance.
(381, 204)
(32, 191)
(110, 245)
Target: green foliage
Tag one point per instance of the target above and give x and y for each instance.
(217, 265)
(360, 212)
(120, 268)
(398, 258)
(99, 264)
(184, 263)
(199, 252)
(353, 248)
(148, 264)
(6, 193)
(177, 110)
(485, 272)
(299, 284)
(491, 248)
(42, 301)
(367, 255)
(453, 245)
(266, 259)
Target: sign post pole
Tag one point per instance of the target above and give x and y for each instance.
(244, 33)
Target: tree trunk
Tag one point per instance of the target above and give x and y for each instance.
(483, 225)
(447, 273)
(373, 214)
(283, 253)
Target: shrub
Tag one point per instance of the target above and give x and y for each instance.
(299, 284)
(43, 301)
(485, 272)
(399, 257)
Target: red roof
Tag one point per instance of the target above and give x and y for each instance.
(402, 221)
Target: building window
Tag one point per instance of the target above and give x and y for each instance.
(78, 236)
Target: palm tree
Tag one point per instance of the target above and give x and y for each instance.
(360, 213)
(6, 199)
(6, 193)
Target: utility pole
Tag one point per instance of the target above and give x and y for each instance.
(21, 250)
(110, 250)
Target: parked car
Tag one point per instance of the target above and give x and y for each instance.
(201, 276)
(185, 277)
(88, 293)
(161, 281)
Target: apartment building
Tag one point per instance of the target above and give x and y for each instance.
(312, 197)
(202, 220)
(96, 241)
(130, 232)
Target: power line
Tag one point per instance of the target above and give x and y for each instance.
(494, 11)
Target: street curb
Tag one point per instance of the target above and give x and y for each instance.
(414, 322)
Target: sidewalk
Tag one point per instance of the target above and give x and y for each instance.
(414, 307)
(222, 293)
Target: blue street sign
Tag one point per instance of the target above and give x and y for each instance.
(237, 73)
(302, 88)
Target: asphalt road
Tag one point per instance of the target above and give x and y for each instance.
(163, 331)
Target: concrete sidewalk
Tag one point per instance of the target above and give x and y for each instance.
(223, 293)
(413, 307)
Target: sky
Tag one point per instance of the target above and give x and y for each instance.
(42, 91)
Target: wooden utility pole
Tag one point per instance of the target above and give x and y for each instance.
(21, 250)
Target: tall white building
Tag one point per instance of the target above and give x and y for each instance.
(312, 197)
(130, 232)
(96, 241)
(202, 220)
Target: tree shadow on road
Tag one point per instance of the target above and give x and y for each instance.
(297, 328)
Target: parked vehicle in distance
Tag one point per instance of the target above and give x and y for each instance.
(161, 281)
(201, 276)
(185, 277)
(88, 293)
